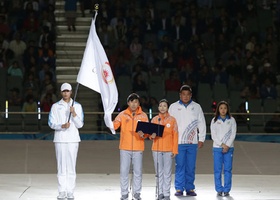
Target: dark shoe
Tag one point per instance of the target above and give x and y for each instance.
(136, 196)
(220, 194)
(226, 194)
(69, 28)
(74, 28)
(124, 197)
(179, 193)
(160, 197)
(191, 193)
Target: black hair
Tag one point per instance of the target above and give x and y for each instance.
(186, 87)
(217, 113)
(164, 100)
(133, 96)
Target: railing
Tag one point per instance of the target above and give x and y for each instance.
(37, 122)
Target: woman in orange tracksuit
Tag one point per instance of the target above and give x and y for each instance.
(164, 149)
(131, 146)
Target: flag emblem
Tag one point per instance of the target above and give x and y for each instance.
(107, 74)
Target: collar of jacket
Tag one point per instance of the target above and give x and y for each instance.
(223, 119)
(185, 104)
(65, 103)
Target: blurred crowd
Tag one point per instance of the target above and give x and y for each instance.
(27, 38)
(233, 42)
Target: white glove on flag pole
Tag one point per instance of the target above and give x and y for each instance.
(96, 74)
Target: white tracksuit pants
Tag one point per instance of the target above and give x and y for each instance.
(163, 167)
(66, 156)
(126, 157)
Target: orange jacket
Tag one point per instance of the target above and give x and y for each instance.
(169, 141)
(129, 139)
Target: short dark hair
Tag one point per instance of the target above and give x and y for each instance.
(133, 96)
(186, 87)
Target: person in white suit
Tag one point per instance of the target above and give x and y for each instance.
(66, 117)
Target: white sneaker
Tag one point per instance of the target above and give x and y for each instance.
(61, 195)
(70, 196)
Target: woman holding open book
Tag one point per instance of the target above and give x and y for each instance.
(164, 149)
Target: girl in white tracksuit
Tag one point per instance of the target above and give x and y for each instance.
(66, 139)
(223, 132)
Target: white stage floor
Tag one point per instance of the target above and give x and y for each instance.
(103, 187)
(28, 172)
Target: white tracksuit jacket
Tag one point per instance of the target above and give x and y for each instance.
(223, 132)
(190, 120)
(59, 115)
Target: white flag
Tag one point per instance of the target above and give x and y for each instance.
(96, 74)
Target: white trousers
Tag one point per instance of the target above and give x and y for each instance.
(66, 156)
(163, 167)
(126, 157)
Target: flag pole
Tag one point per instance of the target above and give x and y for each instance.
(74, 99)
(96, 73)
(96, 7)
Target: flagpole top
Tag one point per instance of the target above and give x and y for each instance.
(96, 7)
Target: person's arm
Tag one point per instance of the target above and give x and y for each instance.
(141, 134)
(175, 138)
(231, 137)
(225, 148)
(53, 120)
(77, 115)
(201, 128)
(117, 121)
(153, 136)
(214, 134)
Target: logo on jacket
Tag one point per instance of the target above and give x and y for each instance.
(168, 125)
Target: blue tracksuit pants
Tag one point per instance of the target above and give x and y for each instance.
(223, 163)
(185, 167)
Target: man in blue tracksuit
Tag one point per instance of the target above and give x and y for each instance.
(192, 133)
